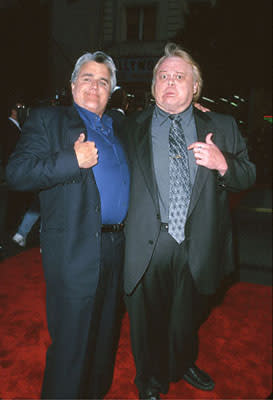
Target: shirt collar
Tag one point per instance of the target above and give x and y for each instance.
(95, 121)
(162, 116)
(15, 122)
(120, 110)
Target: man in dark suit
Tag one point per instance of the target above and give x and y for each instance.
(178, 230)
(71, 156)
(13, 204)
(11, 130)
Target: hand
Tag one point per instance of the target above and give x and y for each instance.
(200, 107)
(86, 152)
(209, 155)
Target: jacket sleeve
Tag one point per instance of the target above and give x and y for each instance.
(241, 173)
(35, 164)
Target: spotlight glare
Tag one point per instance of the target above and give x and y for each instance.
(206, 98)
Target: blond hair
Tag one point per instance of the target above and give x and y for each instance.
(173, 50)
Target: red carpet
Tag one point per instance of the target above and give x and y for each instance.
(235, 342)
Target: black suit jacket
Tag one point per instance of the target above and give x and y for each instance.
(117, 116)
(118, 119)
(208, 226)
(10, 134)
(45, 161)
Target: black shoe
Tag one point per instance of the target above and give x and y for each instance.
(198, 378)
(150, 394)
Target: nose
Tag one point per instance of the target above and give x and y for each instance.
(94, 83)
(171, 81)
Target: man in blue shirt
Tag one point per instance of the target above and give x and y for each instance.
(71, 156)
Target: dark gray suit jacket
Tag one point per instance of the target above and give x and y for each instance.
(208, 226)
(44, 160)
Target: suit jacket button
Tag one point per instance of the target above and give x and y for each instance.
(151, 242)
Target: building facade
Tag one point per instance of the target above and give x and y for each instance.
(133, 32)
(75, 28)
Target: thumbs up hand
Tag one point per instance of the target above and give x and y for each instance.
(86, 152)
(209, 155)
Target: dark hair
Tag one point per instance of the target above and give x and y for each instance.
(119, 99)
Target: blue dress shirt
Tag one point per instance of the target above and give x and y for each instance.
(111, 172)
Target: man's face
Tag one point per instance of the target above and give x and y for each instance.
(91, 90)
(174, 85)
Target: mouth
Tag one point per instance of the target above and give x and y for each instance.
(91, 94)
(170, 93)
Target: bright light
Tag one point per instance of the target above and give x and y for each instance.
(223, 99)
(206, 98)
(268, 118)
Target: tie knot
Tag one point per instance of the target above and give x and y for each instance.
(175, 118)
(176, 122)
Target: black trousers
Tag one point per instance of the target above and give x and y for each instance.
(85, 332)
(165, 310)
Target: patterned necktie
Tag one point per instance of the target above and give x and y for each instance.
(180, 185)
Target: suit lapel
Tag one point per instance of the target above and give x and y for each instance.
(203, 127)
(143, 146)
(74, 127)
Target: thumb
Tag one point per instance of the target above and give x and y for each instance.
(208, 138)
(81, 138)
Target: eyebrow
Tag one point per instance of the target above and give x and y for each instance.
(88, 74)
(177, 72)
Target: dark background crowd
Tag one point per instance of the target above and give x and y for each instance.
(231, 40)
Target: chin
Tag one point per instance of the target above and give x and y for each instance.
(91, 106)
(171, 108)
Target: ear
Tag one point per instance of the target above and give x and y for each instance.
(72, 86)
(195, 87)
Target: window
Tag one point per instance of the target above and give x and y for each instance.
(141, 23)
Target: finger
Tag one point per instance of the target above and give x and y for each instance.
(195, 145)
(200, 162)
(81, 138)
(208, 138)
(93, 148)
(197, 156)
